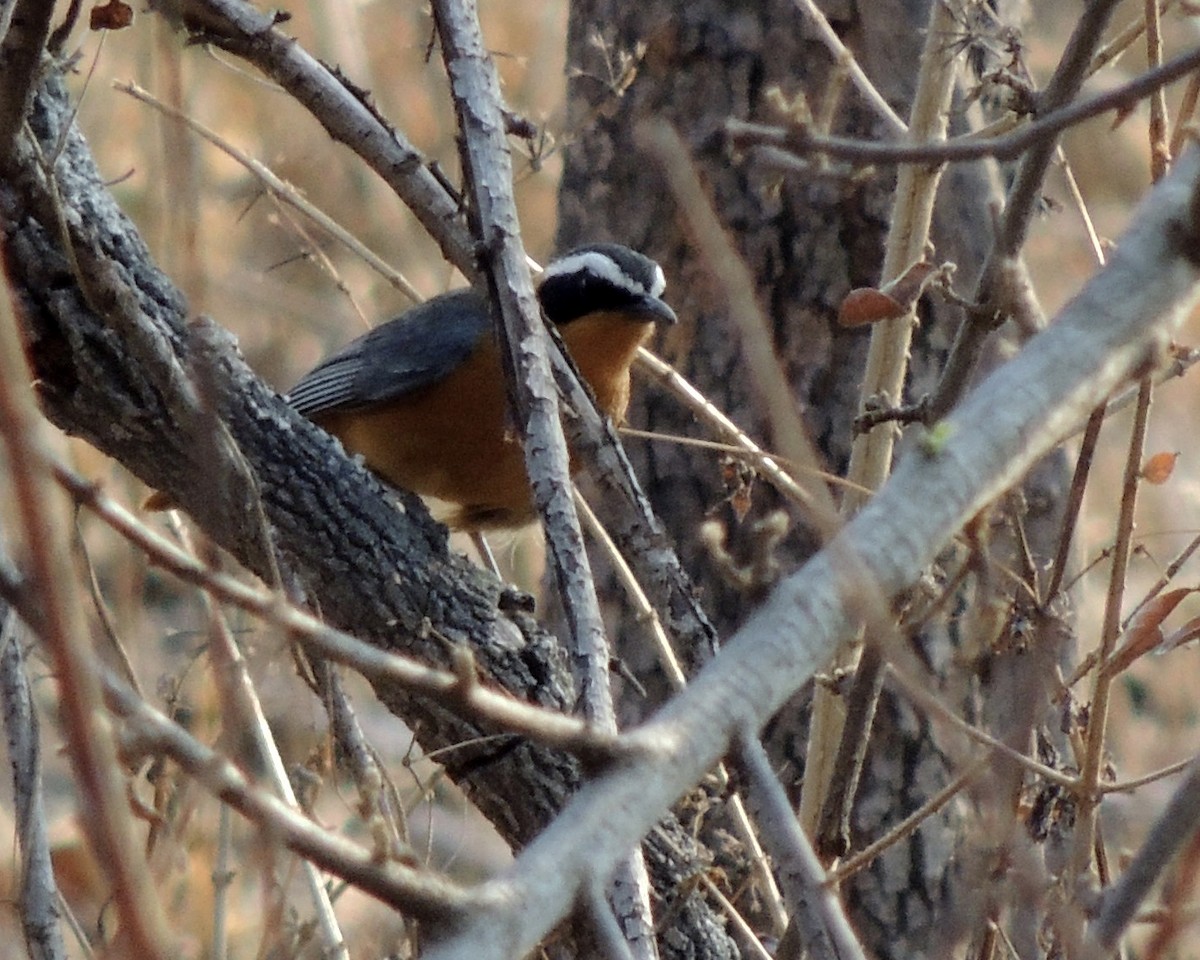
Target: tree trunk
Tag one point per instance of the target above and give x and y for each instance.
(808, 239)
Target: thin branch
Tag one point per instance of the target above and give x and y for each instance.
(39, 893)
(972, 146)
(1089, 776)
(1187, 112)
(525, 353)
(830, 738)
(1125, 38)
(547, 726)
(642, 609)
(909, 825)
(222, 876)
(340, 108)
(730, 272)
(843, 57)
(243, 712)
(1128, 786)
(281, 190)
(415, 891)
(24, 29)
(1002, 289)
(1160, 150)
(928, 702)
(708, 413)
(1172, 830)
(1162, 582)
(814, 906)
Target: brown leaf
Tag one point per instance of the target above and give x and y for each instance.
(1158, 468)
(1144, 632)
(113, 15)
(895, 298)
(865, 305)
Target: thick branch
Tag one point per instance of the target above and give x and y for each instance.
(488, 165)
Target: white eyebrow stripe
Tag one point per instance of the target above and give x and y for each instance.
(599, 265)
(660, 282)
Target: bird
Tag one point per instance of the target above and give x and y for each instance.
(422, 398)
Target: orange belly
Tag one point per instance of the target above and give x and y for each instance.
(454, 440)
(451, 441)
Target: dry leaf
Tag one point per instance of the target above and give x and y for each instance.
(909, 286)
(865, 305)
(113, 15)
(1144, 632)
(1158, 468)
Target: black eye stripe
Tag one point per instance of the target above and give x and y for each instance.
(568, 297)
(600, 276)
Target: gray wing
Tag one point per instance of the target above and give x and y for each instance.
(416, 349)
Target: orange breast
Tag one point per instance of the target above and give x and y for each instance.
(454, 441)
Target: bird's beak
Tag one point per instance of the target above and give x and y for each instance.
(658, 311)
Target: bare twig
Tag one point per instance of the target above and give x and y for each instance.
(325, 641)
(678, 680)
(814, 906)
(419, 893)
(282, 190)
(830, 737)
(695, 401)
(1001, 291)
(733, 276)
(1128, 786)
(1070, 517)
(1187, 112)
(243, 709)
(842, 56)
(1089, 776)
(1160, 150)
(1125, 38)
(39, 894)
(971, 146)
(909, 825)
(25, 28)
(928, 702)
(345, 115)
(221, 879)
(1167, 576)
(1171, 832)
